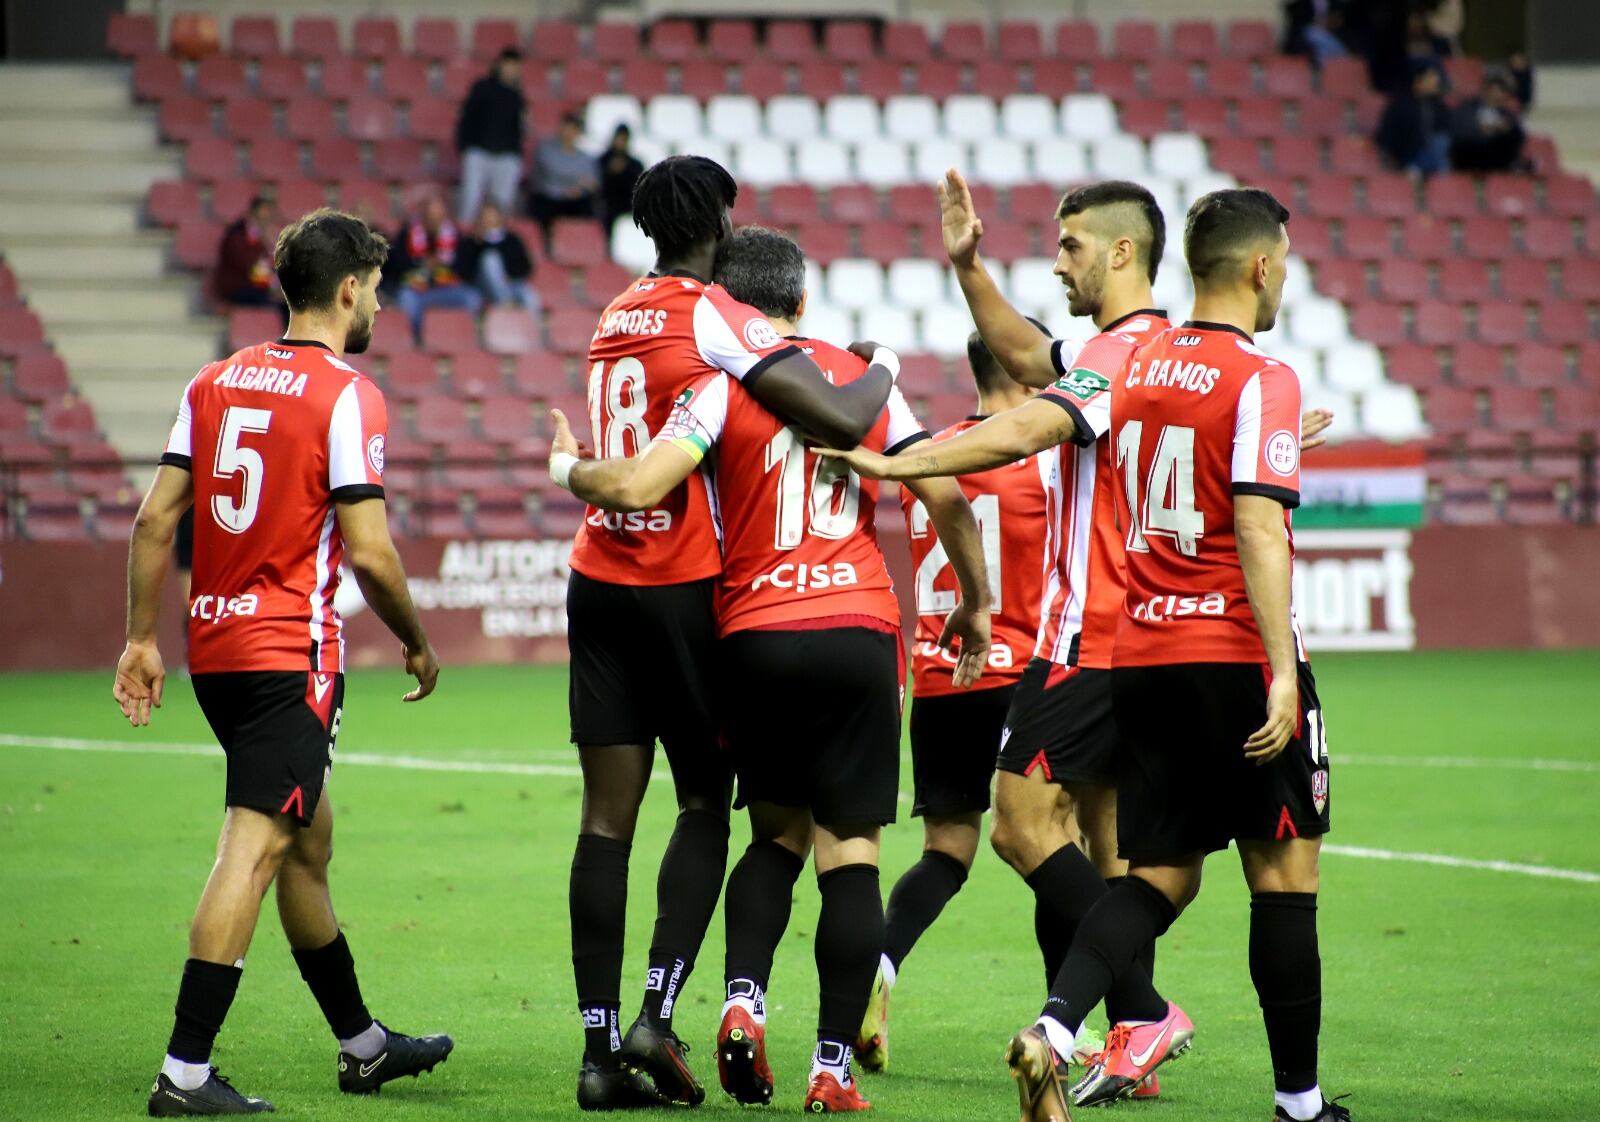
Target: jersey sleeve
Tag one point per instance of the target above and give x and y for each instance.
(698, 417)
(904, 428)
(1084, 389)
(180, 442)
(1266, 436)
(735, 338)
(357, 433)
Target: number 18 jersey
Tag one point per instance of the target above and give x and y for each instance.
(659, 337)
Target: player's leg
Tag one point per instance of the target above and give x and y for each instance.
(849, 942)
(949, 845)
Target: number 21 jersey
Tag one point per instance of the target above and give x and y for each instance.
(661, 336)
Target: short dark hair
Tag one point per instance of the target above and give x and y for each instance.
(682, 201)
(572, 119)
(986, 369)
(316, 253)
(1224, 224)
(259, 201)
(1142, 221)
(764, 269)
(508, 54)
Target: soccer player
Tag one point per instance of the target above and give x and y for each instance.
(955, 733)
(1224, 734)
(811, 654)
(641, 627)
(280, 450)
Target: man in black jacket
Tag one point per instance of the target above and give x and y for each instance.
(496, 260)
(1486, 133)
(1414, 130)
(489, 136)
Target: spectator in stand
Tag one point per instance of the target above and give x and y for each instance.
(1485, 131)
(565, 178)
(620, 169)
(424, 262)
(1522, 77)
(489, 136)
(244, 276)
(1413, 132)
(1444, 22)
(497, 261)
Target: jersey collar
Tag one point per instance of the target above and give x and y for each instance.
(679, 273)
(1120, 320)
(1207, 325)
(305, 343)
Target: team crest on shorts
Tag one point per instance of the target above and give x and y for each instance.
(1319, 789)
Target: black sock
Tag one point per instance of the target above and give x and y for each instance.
(687, 888)
(916, 900)
(1054, 934)
(602, 1039)
(1069, 885)
(598, 901)
(849, 944)
(1113, 933)
(1133, 995)
(330, 972)
(204, 996)
(1287, 972)
(760, 895)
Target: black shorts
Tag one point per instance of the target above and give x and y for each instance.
(642, 658)
(278, 728)
(183, 541)
(1061, 723)
(1187, 787)
(813, 720)
(954, 740)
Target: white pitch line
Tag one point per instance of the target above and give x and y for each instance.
(1582, 766)
(489, 767)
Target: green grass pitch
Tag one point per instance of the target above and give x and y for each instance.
(1451, 993)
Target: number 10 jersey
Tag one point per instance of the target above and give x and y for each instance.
(659, 337)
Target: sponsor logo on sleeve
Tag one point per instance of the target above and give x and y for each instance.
(760, 335)
(1083, 384)
(375, 453)
(1283, 452)
(685, 397)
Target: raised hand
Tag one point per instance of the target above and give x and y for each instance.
(960, 222)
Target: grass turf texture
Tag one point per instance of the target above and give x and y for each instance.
(452, 888)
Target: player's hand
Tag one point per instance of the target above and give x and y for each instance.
(960, 222)
(863, 349)
(423, 665)
(1313, 422)
(140, 678)
(971, 627)
(864, 462)
(1283, 713)
(563, 441)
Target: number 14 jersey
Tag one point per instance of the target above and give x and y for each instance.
(659, 337)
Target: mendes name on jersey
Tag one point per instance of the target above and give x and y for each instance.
(799, 541)
(274, 436)
(661, 336)
(1010, 505)
(1200, 416)
(1083, 587)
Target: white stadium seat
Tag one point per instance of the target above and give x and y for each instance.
(1297, 281)
(1059, 160)
(910, 117)
(793, 117)
(1001, 162)
(852, 117)
(1088, 116)
(823, 163)
(970, 117)
(605, 112)
(828, 323)
(1354, 367)
(1317, 322)
(854, 283)
(673, 117)
(917, 281)
(814, 282)
(717, 150)
(1391, 412)
(936, 155)
(1347, 424)
(945, 328)
(630, 247)
(763, 163)
(1172, 290)
(1029, 117)
(1117, 157)
(882, 163)
(894, 327)
(1204, 184)
(1031, 283)
(648, 150)
(1306, 362)
(1178, 155)
(733, 117)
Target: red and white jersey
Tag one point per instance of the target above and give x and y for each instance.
(1010, 505)
(799, 541)
(661, 336)
(1083, 587)
(1199, 416)
(274, 436)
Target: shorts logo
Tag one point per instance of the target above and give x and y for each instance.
(1083, 384)
(1319, 789)
(1283, 452)
(761, 335)
(375, 453)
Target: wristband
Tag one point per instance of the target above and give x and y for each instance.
(887, 359)
(561, 465)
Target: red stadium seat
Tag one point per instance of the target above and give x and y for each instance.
(460, 72)
(344, 78)
(1263, 117)
(449, 331)
(230, 198)
(157, 77)
(1055, 77)
(577, 242)
(441, 420)
(249, 326)
(614, 42)
(1286, 76)
(1378, 322)
(297, 197)
(1545, 236)
(731, 41)
(1403, 280)
(1580, 278)
(476, 373)
(1425, 237)
(1576, 408)
(370, 118)
(1353, 155)
(1564, 322)
(602, 280)
(335, 157)
(1077, 40)
(491, 36)
(583, 78)
(1502, 324)
(848, 40)
(220, 77)
(435, 39)
(400, 160)
(570, 330)
(1136, 39)
(1345, 77)
(1170, 81)
(789, 203)
(1452, 410)
(1019, 40)
(1320, 117)
(1391, 195)
(1282, 188)
(1511, 196)
(790, 41)
(556, 40)
(1516, 409)
(1344, 279)
(509, 331)
(1331, 196)
(1231, 78)
(131, 36)
(1571, 196)
(369, 197)
(1029, 202)
(68, 419)
(1240, 156)
(1313, 241)
(884, 242)
(1412, 364)
(310, 119)
(281, 78)
(1525, 278)
(1477, 366)
(937, 78)
(996, 77)
(248, 118)
(1115, 77)
(411, 376)
(672, 40)
(39, 375)
(1451, 196)
(1487, 237)
(405, 79)
(1194, 40)
(314, 37)
(1002, 241)
(1462, 279)
(1298, 156)
(254, 37)
(195, 246)
(432, 119)
(184, 118)
(875, 78)
(375, 37)
(273, 158)
(644, 78)
(509, 418)
(1147, 117)
(964, 41)
(1250, 38)
(1438, 323)
(703, 82)
(905, 41)
(172, 200)
(1367, 238)
(211, 158)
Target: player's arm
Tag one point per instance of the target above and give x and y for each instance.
(140, 673)
(1264, 554)
(953, 521)
(1004, 438)
(795, 391)
(625, 484)
(1015, 342)
(1313, 423)
(370, 551)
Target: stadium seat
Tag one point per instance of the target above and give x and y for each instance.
(1580, 278)
(309, 119)
(1487, 237)
(826, 164)
(1114, 78)
(673, 118)
(570, 329)
(1477, 365)
(1054, 78)
(1566, 195)
(1390, 195)
(1501, 324)
(1060, 160)
(246, 118)
(405, 79)
(1510, 196)
(67, 419)
(254, 37)
(400, 159)
(1318, 322)
(793, 118)
(933, 157)
(449, 331)
(581, 79)
(1353, 368)
(1564, 323)
(911, 117)
(1331, 196)
(1169, 81)
(39, 375)
(1298, 156)
(645, 77)
(1547, 236)
(882, 163)
(1018, 40)
(211, 158)
(614, 41)
(1194, 40)
(555, 40)
(1353, 155)
(219, 77)
(184, 118)
(1426, 238)
(297, 196)
(762, 163)
(732, 41)
(1403, 280)
(1410, 363)
(847, 40)
(169, 202)
(1077, 40)
(733, 117)
(905, 41)
(1001, 162)
(1136, 39)
(822, 79)
(1439, 323)
(371, 118)
(1461, 278)
(1539, 366)
(895, 328)
(1378, 322)
(1286, 76)
(852, 117)
(672, 40)
(130, 35)
(970, 117)
(1088, 117)
(854, 283)
(915, 283)
(790, 41)
(314, 37)
(1250, 38)
(1232, 78)
(1117, 157)
(441, 420)
(411, 376)
(435, 39)
(1344, 279)
(281, 78)
(375, 38)
(1177, 156)
(1028, 117)
(1451, 196)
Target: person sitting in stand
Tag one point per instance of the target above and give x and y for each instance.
(497, 261)
(1486, 131)
(620, 169)
(244, 276)
(565, 178)
(424, 264)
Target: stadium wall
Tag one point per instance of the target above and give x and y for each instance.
(504, 601)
